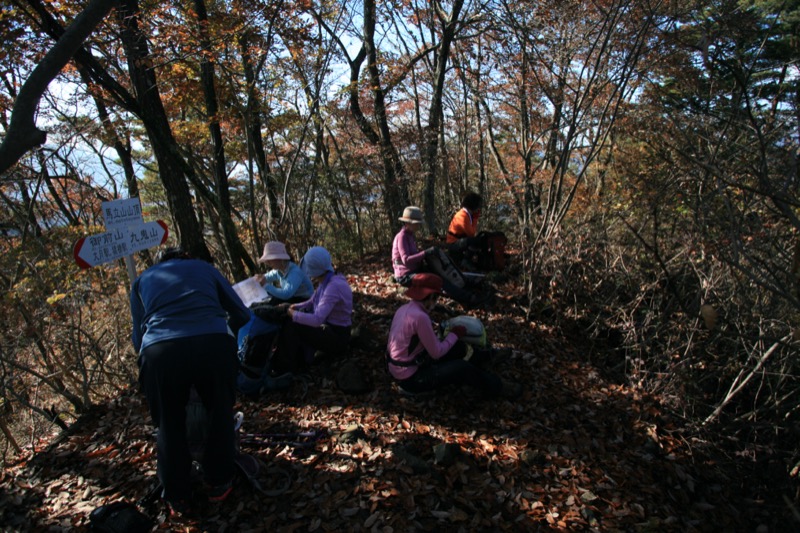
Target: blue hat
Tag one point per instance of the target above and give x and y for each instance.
(316, 262)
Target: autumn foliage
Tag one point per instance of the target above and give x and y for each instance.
(641, 158)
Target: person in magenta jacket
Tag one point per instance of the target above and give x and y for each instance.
(320, 323)
(420, 362)
(408, 260)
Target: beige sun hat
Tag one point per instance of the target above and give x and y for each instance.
(274, 250)
(412, 214)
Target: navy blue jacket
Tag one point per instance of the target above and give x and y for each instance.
(183, 298)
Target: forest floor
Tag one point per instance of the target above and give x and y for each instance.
(577, 452)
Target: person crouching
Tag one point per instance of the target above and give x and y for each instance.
(420, 362)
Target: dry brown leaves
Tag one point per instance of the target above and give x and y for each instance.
(575, 453)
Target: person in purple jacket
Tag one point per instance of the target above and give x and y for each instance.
(321, 323)
(408, 260)
(420, 362)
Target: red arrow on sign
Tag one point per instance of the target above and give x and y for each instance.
(117, 243)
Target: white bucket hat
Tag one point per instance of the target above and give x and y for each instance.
(274, 250)
(412, 214)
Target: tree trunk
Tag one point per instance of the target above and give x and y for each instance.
(22, 134)
(72, 220)
(431, 141)
(233, 245)
(395, 186)
(253, 127)
(171, 167)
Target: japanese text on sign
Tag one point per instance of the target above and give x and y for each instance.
(119, 242)
(122, 213)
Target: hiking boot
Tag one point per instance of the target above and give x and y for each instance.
(178, 508)
(413, 395)
(500, 355)
(511, 390)
(476, 300)
(276, 383)
(119, 516)
(490, 357)
(219, 493)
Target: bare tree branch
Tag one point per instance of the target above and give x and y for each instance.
(22, 134)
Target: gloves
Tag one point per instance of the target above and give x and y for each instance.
(272, 313)
(460, 331)
(270, 277)
(430, 251)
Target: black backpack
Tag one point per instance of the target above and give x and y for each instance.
(197, 434)
(440, 264)
(257, 341)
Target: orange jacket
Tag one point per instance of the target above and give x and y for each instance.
(464, 224)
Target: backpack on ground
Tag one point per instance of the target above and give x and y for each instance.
(119, 517)
(256, 341)
(440, 263)
(476, 331)
(492, 255)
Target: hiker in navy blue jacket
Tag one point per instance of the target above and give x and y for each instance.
(185, 317)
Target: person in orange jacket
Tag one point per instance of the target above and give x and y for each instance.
(463, 230)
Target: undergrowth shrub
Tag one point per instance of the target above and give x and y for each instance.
(714, 346)
(65, 344)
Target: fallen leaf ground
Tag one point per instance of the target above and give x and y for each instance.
(575, 453)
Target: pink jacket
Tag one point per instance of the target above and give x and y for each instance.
(412, 319)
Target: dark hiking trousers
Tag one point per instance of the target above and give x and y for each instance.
(452, 369)
(297, 342)
(169, 370)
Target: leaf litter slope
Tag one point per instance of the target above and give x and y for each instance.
(576, 452)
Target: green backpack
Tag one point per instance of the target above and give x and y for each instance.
(476, 332)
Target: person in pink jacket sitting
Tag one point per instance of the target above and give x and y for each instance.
(420, 362)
